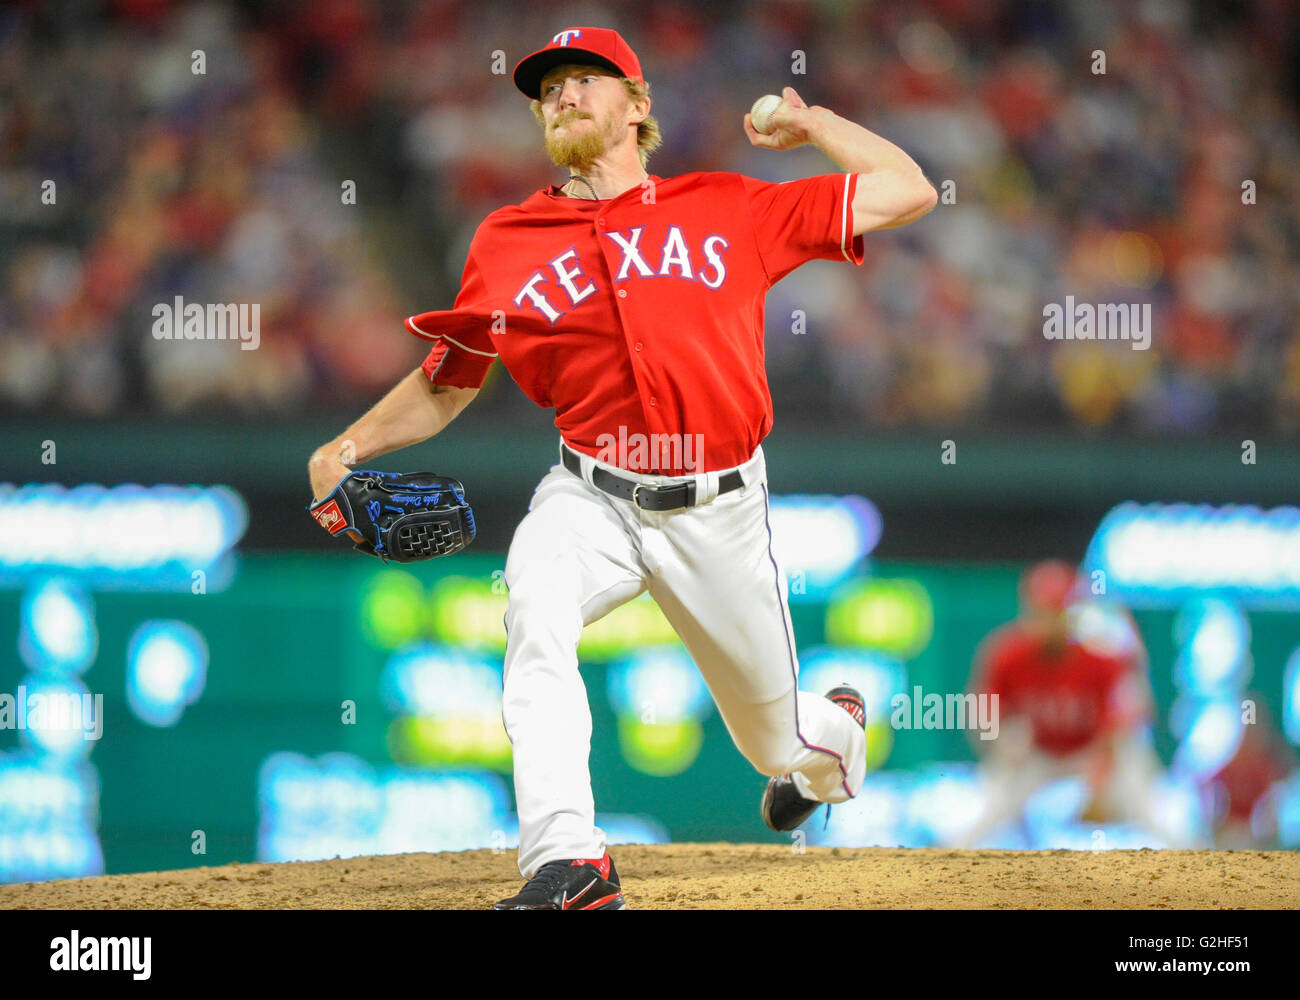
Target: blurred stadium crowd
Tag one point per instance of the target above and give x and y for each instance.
(224, 186)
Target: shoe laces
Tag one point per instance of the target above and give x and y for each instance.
(550, 875)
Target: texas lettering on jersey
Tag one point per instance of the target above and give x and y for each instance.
(640, 315)
(567, 274)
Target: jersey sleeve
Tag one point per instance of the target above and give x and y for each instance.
(803, 220)
(462, 348)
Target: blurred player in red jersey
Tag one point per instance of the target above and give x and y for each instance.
(1243, 805)
(1067, 707)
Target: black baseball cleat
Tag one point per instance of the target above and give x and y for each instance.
(783, 808)
(578, 884)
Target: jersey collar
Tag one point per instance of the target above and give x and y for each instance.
(553, 191)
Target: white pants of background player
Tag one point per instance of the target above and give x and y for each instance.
(1015, 770)
(579, 554)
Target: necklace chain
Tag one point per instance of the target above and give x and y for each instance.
(578, 177)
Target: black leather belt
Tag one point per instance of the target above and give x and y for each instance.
(669, 497)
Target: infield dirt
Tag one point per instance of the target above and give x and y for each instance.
(719, 876)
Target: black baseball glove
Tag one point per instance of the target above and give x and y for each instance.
(398, 517)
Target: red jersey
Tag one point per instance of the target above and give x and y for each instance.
(1070, 699)
(641, 315)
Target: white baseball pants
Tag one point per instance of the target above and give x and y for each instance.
(578, 554)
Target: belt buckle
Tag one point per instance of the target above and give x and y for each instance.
(687, 501)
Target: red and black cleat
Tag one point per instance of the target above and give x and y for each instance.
(575, 884)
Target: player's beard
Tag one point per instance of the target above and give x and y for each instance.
(581, 149)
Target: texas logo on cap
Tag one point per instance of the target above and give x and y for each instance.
(598, 46)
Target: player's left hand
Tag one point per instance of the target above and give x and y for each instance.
(793, 123)
(1097, 771)
(1096, 813)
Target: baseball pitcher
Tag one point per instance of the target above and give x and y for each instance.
(632, 305)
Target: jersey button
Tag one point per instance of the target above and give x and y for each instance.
(638, 345)
(601, 223)
(622, 293)
(653, 401)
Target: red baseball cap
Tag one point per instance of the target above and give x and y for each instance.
(598, 46)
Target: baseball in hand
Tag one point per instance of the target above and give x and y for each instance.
(760, 115)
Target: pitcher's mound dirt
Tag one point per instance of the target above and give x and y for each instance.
(719, 876)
